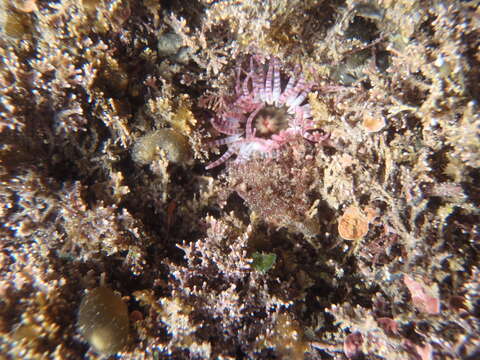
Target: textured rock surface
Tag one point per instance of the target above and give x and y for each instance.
(394, 83)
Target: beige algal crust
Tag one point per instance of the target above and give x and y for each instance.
(105, 132)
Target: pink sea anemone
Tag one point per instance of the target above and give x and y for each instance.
(262, 117)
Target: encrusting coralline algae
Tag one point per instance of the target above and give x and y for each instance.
(344, 224)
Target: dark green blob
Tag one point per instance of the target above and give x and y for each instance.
(263, 262)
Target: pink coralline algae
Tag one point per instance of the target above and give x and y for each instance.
(262, 117)
(422, 297)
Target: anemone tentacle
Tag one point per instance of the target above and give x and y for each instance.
(260, 92)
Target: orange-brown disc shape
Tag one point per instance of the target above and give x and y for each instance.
(353, 224)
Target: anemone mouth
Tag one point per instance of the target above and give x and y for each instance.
(271, 120)
(270, 109)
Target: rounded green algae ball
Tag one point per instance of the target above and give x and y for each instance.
(103, 320)
(148, 148)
